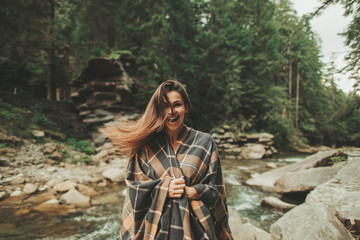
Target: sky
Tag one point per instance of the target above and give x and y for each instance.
(328, 25)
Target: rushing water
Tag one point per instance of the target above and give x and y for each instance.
(103, 221)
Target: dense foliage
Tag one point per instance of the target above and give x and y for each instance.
(253, 64)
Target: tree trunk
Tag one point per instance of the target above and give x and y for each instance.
(297, 95)
(50, 48)
(290, 76)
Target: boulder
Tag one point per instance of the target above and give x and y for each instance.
(115, 174)
(342, 192)
(308, 222)
(274, 202)
(266, 180)
(245, 231)
(253, 151)
(53, 207)
(30, 188)
(305, 180)
(76, 198)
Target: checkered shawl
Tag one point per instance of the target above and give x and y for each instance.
(148, 212)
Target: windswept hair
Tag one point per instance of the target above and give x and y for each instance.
(129, 137)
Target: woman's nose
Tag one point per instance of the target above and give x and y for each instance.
(170, 111)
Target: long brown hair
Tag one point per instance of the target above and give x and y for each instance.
(129, 137)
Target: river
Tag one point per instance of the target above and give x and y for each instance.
(103, 221)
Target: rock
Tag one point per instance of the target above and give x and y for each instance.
(52, 207)
(22, 212)
(16, 193)
(254, 136)
(267, 180)
(52, 182)
(2, 194)
(49, 148)
(274, 202)
(115, 174)
(43, 188)
(305, 180)
(64, 186)
(76, 198)
(266, 137)
(38, 133)
(309, 221)
(51, 169)
(88, 191)
(96, 179)
(30, 188)
(271, 165)
(100, 156)
(253, 151)
(18, 179)
(245, 231)
(342, 192)
(40, 198)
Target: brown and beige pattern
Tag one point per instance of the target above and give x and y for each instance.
(148, 212)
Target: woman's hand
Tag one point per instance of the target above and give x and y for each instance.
(176, 187)
(191, 193)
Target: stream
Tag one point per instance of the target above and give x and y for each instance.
(103, 221)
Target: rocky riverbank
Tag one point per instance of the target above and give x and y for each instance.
(39, 184)
(36, 181)
(330, 181)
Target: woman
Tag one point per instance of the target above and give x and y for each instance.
(174, 179)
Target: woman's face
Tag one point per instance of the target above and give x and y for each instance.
(175, 119)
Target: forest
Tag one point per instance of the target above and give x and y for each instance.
(252, 64)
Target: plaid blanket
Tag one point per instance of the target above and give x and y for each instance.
(148, 212)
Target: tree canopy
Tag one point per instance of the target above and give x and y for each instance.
(252, 64)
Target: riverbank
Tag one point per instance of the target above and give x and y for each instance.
(75, 199)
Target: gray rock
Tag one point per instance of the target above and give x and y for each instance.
(76, 198)
(115, 174)
(309, 222)
(342, 192)
(30, 188)
(274, 202)
(253, 151)
(245, 231)
(266, 180)
(305, 180)
(16, 193)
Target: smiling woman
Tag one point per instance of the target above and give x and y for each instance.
(175, 187)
